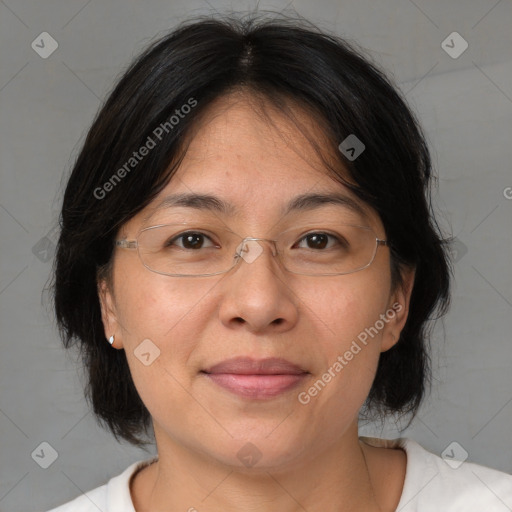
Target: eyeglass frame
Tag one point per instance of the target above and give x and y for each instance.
(134, 244)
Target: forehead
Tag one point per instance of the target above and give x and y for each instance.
(249, 141)
(258, 163)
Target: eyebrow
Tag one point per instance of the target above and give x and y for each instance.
(197, 201)
(304, 202)
(308, 202)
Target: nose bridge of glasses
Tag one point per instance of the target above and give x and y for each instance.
(250, 248)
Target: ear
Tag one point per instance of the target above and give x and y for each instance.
(108, 313)
(398, 310)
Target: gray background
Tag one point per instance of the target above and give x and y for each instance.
(47, 105)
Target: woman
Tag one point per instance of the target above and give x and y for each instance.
(248, 262)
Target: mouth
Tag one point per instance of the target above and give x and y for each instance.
(256, 379)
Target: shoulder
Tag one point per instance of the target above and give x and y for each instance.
(114, 496)
(433, 483)
(87, 502)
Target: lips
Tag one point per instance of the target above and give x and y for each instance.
(256, 379)
(249, 366)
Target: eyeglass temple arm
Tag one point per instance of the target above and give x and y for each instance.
(126, 244)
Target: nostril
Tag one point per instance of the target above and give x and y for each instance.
(278, 321)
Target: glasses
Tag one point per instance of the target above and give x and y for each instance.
(195, 250)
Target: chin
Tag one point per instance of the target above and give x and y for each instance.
(257, 448)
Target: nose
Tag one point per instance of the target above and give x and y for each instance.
(255, 294)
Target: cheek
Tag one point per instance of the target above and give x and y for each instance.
(154, 306)
(348, 312)
(347, 305)
(167, 318)
(162, 317)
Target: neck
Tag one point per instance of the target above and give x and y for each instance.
(338, 479)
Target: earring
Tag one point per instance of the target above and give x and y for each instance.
(111, 339)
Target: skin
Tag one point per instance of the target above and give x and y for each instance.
(311, 456)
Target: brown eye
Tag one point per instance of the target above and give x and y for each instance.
(318, 241)
(190, 240)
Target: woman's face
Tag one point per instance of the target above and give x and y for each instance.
(332, 328)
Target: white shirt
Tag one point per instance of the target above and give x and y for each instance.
(432, 484)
